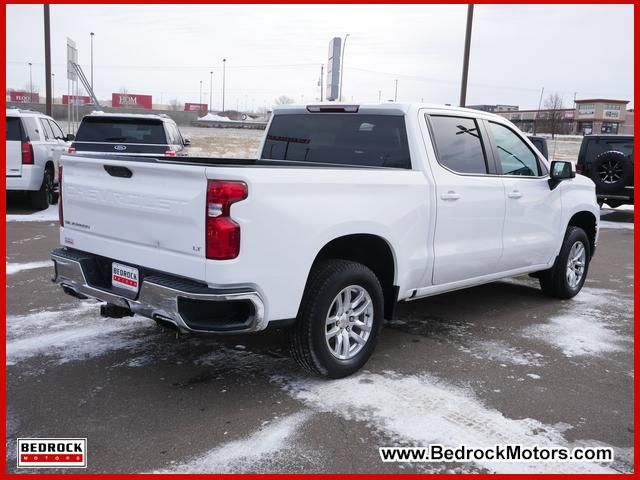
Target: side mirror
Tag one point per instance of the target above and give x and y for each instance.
(70, 137)
(560, 171)
(186, 141)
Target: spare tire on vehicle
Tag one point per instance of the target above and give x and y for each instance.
(611, 171)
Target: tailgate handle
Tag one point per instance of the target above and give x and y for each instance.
(117, 171)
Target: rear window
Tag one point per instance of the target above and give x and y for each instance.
(14, 129)
(596, 146)
(340, 138)
(121, 130)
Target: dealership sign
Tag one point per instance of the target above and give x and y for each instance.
(131, 100)
(24, 97)
(196, 107)
(52, 452)
(75, 100)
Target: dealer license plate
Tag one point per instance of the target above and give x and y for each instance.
(124, 276)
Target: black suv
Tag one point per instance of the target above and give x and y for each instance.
(129, 134)
(608, 161)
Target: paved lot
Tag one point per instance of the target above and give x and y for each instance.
(499, 363)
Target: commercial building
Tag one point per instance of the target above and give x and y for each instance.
(494, 108)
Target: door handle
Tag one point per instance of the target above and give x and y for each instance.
(515, 194)
(450, 195)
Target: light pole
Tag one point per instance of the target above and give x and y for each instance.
(30, 85)
(395, 96)
(92, 34)
(224, 79)
(53, 88)
(344, 46)
(200, 96)
(465, 62)
(210, 89)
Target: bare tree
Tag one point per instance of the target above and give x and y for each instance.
(123, 90)
(554, 114)
(284, 100)
(174, 104)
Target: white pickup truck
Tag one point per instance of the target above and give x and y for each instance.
(348, 210)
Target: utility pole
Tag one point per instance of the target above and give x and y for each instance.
(344, 46)
(53, 88)
(535, 118)
(379, 96)
(224, 79)
(321, 82)
(210, 89)
(92, 34)
(30, 85)
(200, 101)
(395, 97)
(465, 62)
(47, 60)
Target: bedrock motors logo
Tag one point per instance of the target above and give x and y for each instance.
(52, 453)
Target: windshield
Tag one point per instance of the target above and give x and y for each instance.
(339, 138)
(121, 130)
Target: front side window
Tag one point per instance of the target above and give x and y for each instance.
(57, 131)
(48, 133)
(514, 156)
(458, 144)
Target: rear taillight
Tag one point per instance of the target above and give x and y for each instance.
(223, 234)
(27, 153)
(579, 168)
(170, 153)
(71, 150)
(60, 211)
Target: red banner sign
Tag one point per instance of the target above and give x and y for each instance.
(131, 100)
(196, 107)
(75, 100)
(24, 97)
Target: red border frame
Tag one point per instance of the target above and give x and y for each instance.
(3, 299)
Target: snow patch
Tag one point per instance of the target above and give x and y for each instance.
(502, 352)
(584, 328)
(420, 410)
(248, 454)
(48, 215)
(19, 267)
(616, 225)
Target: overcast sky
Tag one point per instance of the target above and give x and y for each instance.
(166, 50)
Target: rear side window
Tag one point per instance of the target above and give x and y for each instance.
(14, 129)
(458, 144)
(340, 138)
(31, 129)
(121, 130)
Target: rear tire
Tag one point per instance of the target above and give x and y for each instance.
(569, 272)
(323, 339)
(45, 196)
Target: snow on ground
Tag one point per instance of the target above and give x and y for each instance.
(246, 454)
(19, 267)
(48, 215)
(418, 410)
(70, 335)
(585, 327)
(502, 352)
(616, 225)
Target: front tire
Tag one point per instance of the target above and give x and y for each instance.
(340, 319)
(569, 272)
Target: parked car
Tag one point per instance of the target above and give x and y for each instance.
(34, 145)
(348, 210)
(608, 161)
(541, 144)
(129, 134)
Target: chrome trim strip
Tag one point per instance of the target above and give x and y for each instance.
(154, 300)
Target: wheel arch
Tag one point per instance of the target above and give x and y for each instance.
(372, 251)
(587, 221)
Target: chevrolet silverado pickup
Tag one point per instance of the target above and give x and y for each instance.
(347, 210)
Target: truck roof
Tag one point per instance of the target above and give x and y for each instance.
(388, 108)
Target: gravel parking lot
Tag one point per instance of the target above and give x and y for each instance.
(500, 363)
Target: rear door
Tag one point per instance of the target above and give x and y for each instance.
(470, 201)
(15, 136)
(121, 136)
(139, 212)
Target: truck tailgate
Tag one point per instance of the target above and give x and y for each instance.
(144, 213)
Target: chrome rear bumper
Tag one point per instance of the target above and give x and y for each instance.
(160, 297)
